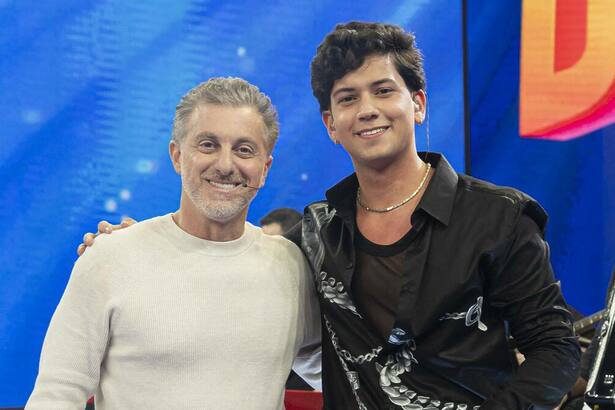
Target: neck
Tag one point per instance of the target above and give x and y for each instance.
(196, 224)
(388, 185)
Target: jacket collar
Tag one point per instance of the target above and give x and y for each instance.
(437, 200)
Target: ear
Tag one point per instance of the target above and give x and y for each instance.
(327, 119)
(265, 171)
(420, 107)
(175, 154)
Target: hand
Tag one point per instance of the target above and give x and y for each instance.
(103, 227)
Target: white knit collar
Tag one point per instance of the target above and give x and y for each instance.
(190, 242)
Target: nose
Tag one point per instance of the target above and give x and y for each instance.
(367, 109)
(224, 164)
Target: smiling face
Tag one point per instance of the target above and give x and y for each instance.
(373, 113)
(224, 149)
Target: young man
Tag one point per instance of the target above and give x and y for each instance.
(423, 273)
(194, 309)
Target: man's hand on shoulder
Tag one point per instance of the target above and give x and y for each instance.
(104, 227)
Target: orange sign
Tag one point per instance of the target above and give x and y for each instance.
(567, 82)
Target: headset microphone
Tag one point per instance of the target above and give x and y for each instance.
(245, 185)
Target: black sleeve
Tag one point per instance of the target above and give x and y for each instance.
(524, 292)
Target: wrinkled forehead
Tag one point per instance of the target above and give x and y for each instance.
(228, 121)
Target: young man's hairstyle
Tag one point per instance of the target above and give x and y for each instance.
(231, 91)
(286, 217)
(345, 49)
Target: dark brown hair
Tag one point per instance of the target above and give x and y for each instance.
(345, 49)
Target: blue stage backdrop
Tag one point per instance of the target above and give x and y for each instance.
(88, 96)
(541, 101)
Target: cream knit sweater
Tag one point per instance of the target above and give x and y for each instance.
(155, 318)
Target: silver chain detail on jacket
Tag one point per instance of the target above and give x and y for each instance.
(334, 292)
(368, 357)
(401, 362)
(353, 377)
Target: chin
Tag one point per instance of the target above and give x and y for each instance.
(218, 207)
(376, 160)
(220, 215)
(223, 212)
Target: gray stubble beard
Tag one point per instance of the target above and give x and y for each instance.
(219, 211)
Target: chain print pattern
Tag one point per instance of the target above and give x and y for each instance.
(330, 289)
(368, 357)
(353, 377)
(334, 292)
(397, 364)
(316, 216)
(453, 316)
(472, 316)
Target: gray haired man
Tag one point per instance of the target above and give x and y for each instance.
(196, 308)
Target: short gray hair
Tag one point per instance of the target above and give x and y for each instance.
(231, 91)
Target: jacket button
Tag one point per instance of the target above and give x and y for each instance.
(349, 265)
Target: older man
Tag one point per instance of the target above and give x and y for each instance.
(196, 308)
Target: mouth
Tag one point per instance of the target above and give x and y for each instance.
(371, 132)
(224, 186)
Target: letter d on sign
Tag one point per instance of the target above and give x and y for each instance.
(567, 82)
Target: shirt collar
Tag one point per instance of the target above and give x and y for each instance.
(437, 200)
(439, 196)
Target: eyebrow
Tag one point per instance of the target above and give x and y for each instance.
(351, 89)
(342, 90)
(210, 135)
(382, 81)
(206, 134)
(246, 140)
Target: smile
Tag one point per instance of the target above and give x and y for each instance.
(372, 132)
(224, 186)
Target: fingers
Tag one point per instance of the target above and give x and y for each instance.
(127, 221)
(88, 239)
(105, 227)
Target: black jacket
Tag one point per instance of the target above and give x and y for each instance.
(477, 271)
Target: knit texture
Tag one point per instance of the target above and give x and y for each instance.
(155, 318)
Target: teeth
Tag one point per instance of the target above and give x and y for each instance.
(222, 185)
(372, 132)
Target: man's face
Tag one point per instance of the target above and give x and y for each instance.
(373, 113)
(224, 148)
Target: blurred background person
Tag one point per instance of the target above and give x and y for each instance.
(279, 221)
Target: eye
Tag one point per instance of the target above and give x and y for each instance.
(384, 91)
(347, 99)
(246, 151)
(207, 145)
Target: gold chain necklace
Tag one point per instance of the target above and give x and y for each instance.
(405, 201)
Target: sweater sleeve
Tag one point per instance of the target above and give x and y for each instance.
(526, 295)
(308, 361)
(75, 342)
